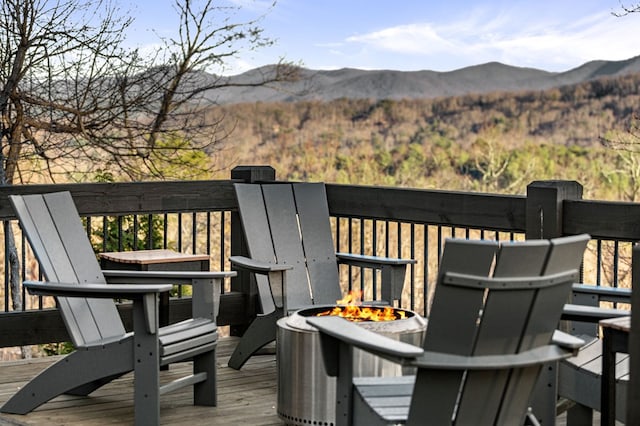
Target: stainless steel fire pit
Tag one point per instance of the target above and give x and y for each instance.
(306, 395)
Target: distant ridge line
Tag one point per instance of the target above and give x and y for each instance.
(327, 85)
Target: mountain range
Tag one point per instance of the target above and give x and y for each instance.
(389, 84)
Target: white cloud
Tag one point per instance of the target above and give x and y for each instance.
(411, 38)
(511, 37)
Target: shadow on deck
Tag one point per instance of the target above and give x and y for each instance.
(246, 397)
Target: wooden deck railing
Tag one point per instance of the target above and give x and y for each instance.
(198, 217)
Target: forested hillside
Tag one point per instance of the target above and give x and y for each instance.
(488, 142)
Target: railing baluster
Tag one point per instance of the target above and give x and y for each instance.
(338, 234)
(119, 222)
(179, 248)
(136, 227)
(599, 263)
(616, 260)
(194, 233)
(105, 236)
(23, 270)
(5, 227)
(362, 251)
(412, 282)
(88, 227)
(425, 271)
(439, 244)
(350, 250)
(149, 231)
(374, 252)
(165, 231)
(222, 242)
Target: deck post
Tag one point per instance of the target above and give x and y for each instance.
(242, 282)
(544, 210)
(633, 388)
(544, 206)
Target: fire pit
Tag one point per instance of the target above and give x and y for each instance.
(306, 395)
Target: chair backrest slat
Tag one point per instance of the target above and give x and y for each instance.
(285, 234)
(319, 248)
(53, 227)
(466, 257)
(254, 222)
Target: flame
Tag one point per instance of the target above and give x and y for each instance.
(349, 307)
(352, 298)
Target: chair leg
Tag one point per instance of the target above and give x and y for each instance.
(260, 332)
(205, 393)
(71, 372)
(146, 359)
(545, 394)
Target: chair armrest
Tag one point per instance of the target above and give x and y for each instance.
(572, 312)
(393, 271)
(257, 266)
(272, 293)
(539, 355)
(367, 261)
(104, 291)
(567, 341)
(145, 296)
(163, 277)
(336, 330)
(609, 294)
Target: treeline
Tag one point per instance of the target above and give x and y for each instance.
(486, 142)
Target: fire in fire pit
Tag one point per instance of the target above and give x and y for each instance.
(306, 395)
(350, 307)
(366, 313)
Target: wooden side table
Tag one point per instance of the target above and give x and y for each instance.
(155, 260)
(615, 338)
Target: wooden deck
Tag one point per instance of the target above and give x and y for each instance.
(245, 397)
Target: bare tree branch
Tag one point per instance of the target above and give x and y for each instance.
(75, 103)
(627, 9)
(67, 79)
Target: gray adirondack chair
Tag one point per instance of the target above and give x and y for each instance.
(103, 349)
(293, 258)
(488, 335)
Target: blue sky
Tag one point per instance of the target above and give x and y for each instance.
(554, 35)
